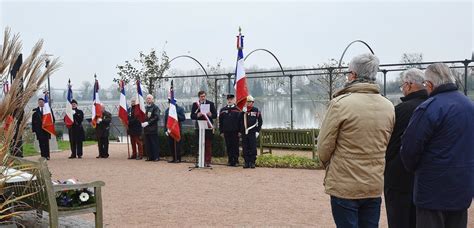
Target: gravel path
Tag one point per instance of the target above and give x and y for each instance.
(152, 194)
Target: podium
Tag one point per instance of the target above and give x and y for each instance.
(203, 126)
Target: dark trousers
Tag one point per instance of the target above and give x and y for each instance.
(76, 147)
(232, 145)
(44, 147)
(103, 144)
(137, 145)
(249, 146)
(441, 219)
(151, 146)
(175, 149)
(356, 213)
(401, 212)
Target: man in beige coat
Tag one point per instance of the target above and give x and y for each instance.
(352, 144)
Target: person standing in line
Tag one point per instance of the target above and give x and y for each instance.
(175, 146)
(102, 131)
(250, 125)
(196, 114)
(398, 183)
(438, 147)
(135, 131)
(229, 127)
(150, 129)
(76, 132)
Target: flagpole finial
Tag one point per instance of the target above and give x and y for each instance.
(95, 75)
(240, 30)
(69, 81)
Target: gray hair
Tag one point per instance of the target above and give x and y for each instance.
(149, 95)
(365, 66)
(439, 74)
(413, 75)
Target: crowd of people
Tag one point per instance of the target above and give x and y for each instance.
(143, 130)
(419, 154)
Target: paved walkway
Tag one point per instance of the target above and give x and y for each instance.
(157, 194)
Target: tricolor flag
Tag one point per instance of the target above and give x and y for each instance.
(48, 123)
(69, 118)
(172, 123)
(140, 112)
(240, 84)
(123, 115)
(96, 110)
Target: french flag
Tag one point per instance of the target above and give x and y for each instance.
(123, 115)
(68, 118)
(172, 123)
(96, 111)
(240, 85)
(140, 112)
(48, 123)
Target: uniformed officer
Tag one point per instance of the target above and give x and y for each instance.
(102, 131)
(250, 125)
(76, 132)
(229, 127)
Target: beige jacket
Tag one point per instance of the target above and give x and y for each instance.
(353, 140)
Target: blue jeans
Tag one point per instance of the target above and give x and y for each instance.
(356, 213)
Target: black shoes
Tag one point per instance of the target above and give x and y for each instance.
(172, 161)
(249, 165)
(72, 157)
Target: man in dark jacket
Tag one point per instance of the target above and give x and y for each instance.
(135, 131)
(150, 129)
(102, 131)
(196, 114)
(398, 187)
(438, 147)
(37, 127)
(76, 132)
(175, 146)
(250, 125)
(229, 127)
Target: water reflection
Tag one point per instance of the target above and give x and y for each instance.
(276, 113)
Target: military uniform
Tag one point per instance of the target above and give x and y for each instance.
(102, 131)
(250, 124)
(229, 126)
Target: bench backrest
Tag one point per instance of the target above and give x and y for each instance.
(38, 185)
(286, 138)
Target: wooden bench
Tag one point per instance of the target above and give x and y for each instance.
(41, 192)
(305, 139)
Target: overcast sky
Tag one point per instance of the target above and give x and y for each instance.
(93, 37)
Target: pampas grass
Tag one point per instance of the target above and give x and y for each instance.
(29, 78)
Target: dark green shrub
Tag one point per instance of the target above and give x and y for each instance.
(287, 161)
(189, 146)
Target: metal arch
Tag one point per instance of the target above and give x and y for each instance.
(269, 52)
(355, 41)
(190, 57)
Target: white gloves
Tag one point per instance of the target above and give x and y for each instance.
(244, 109)
(257, 134)
(99, 120)
(144, 124)
(73, 112)
(166, 133)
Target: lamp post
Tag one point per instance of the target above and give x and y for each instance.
(47, 61)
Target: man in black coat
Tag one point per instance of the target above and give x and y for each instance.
(175, 146)
(37, 127)
(250, 124)
(102, 131)
(76, 132)
(398, 186)
(135, 131)
(197, 115)
(229, 127)
(150, 129)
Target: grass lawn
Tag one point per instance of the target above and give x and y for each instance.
(29, 149)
